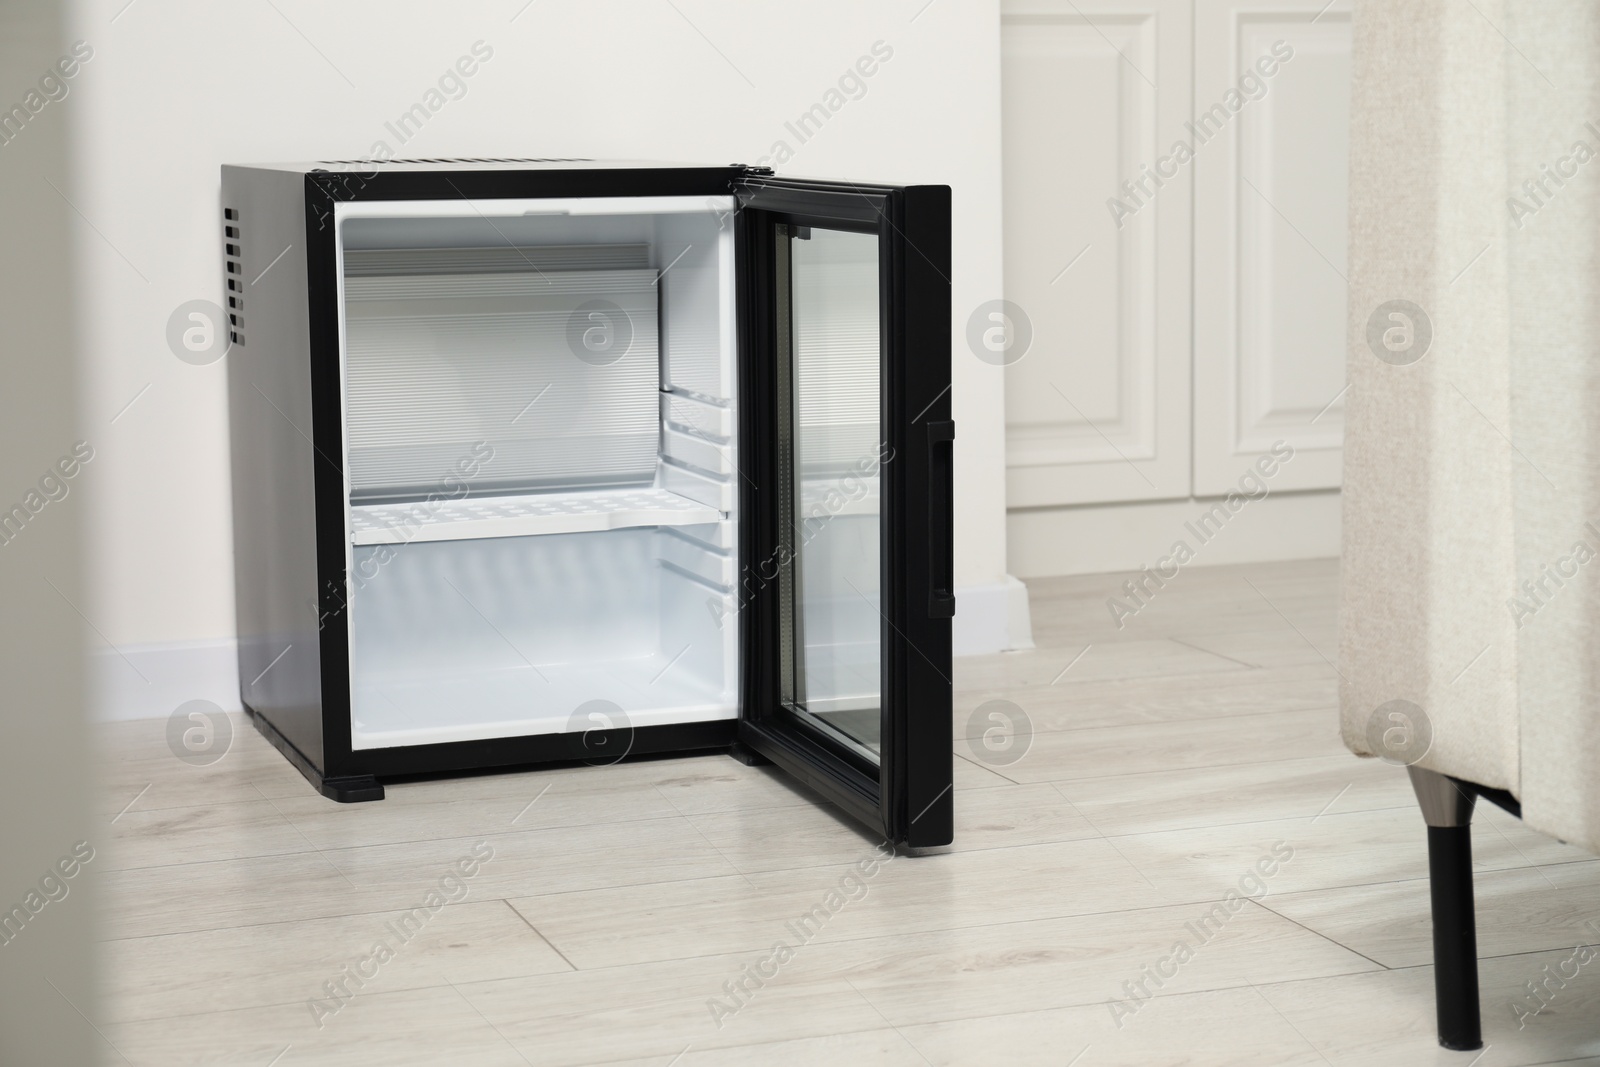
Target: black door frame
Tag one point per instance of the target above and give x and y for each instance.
(908, 793)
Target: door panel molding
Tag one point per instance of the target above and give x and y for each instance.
(1269, 245)
(1095, 94)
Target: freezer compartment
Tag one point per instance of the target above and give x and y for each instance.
(506, 637)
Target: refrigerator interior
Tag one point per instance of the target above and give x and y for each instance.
(539, 443)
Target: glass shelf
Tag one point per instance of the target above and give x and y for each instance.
(519, 516)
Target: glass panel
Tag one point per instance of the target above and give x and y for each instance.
(829, 376)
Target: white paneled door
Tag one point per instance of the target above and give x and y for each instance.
(1175, 215)
(1272, 93)
(1097, 249)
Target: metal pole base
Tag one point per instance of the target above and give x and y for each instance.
(1447, 809)
(1455, 937)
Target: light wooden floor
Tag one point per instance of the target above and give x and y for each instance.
(1164, 762)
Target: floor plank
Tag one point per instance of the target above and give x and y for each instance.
(1128, 798)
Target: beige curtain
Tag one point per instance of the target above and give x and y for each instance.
(1471, 575)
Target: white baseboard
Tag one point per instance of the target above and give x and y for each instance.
(1098, 538)
(991, 618)
(150, 681)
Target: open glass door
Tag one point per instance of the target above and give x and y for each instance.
(846, 586)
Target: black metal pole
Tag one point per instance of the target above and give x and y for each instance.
(1455, 938)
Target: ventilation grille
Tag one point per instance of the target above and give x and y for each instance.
(389, 162)
(233, 264)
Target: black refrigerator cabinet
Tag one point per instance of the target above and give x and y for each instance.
(554, 460)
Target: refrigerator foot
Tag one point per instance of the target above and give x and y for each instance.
(747, 755)
(351, 790)
(345, 790)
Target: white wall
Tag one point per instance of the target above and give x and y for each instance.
(177, 87)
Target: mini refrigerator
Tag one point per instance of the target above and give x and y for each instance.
(541, 461)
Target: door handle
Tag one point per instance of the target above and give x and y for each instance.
(941, 519)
